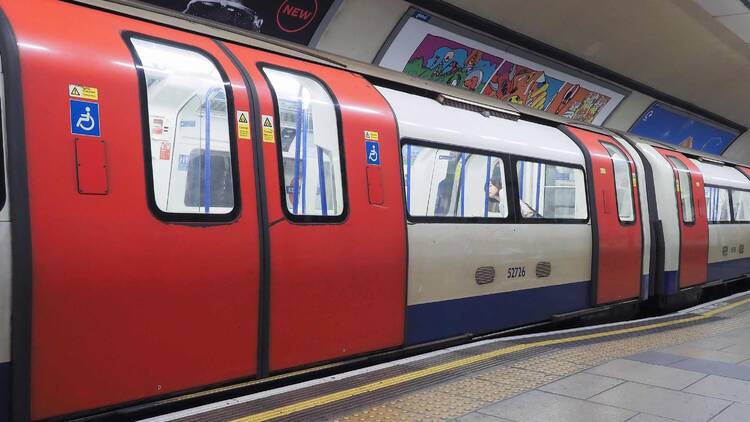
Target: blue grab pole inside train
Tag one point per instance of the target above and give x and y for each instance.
(487, 186)
(303, 161)
(297, 146)
(408, 179)
(462, 180)
(207, 151)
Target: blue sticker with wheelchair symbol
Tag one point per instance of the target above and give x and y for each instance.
(372, 150)
(84, 118)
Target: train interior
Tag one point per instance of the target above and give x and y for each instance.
(189, 130)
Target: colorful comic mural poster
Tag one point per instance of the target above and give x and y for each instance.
(428, 50)
(442, 60)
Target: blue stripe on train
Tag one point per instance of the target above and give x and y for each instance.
(725, 270)
(481, 314)
(671, 283)
(5, 391)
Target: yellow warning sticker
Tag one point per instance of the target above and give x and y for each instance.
(243, 125)
(268, 133)
(371, 135)
(85, 92)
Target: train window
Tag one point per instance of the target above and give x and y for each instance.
(717, 204)
(741, 205)
(685, 188)
(3, 193)
(551, 192)
(313, 181)
(623, 183)
(448, 183)
(191, 166)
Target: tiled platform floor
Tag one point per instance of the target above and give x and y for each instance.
(696, 373)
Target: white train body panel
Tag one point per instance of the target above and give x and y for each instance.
(666, 204)
(426, 119)
(444, 257)
(643, 198)
(726, 241)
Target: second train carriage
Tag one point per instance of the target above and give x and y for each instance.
(245, 210)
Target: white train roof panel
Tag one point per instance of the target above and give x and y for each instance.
(425, 119)
(718, 175)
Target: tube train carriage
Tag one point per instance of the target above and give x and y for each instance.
(188, 207)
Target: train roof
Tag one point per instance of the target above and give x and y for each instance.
(726, 176)
(379, 75)
(423, 119)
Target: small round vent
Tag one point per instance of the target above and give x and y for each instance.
(543, 269)
(484, 275)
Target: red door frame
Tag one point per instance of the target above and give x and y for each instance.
(693, 268)
(617, 247)
(336, 289)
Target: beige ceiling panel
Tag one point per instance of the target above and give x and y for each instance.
(674, 46)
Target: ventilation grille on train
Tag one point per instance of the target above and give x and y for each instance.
(482, 109)
(543, 269)
(484, 275)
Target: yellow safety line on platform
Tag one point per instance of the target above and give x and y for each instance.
(400, 379)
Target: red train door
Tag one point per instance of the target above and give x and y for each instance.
(337, 281)
(615, 217)
(137, 291)
(691, 211)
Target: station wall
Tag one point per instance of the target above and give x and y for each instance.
(359, 29)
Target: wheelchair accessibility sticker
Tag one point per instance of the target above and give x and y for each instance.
(84, 118)
(372, 150)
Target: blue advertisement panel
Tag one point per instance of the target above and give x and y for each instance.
(665, 124)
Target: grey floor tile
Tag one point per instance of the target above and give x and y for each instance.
(712, 343)
(730, 370)
(662, 402)
(479, 417)
(644, 373)
(722, 388)
(581, 386)
(642, 417)
(734, 413)
(538, 406)
(742, 332)
(741, 349)
(656, 358)
(698, 353)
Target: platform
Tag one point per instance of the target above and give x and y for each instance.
(690, 366)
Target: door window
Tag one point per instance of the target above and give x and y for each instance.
(623, 183)
(310, 145)
(685, 190)
(189, 145)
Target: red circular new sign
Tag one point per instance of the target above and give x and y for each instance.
(296, 15)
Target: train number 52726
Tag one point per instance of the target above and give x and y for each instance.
(515, 272)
